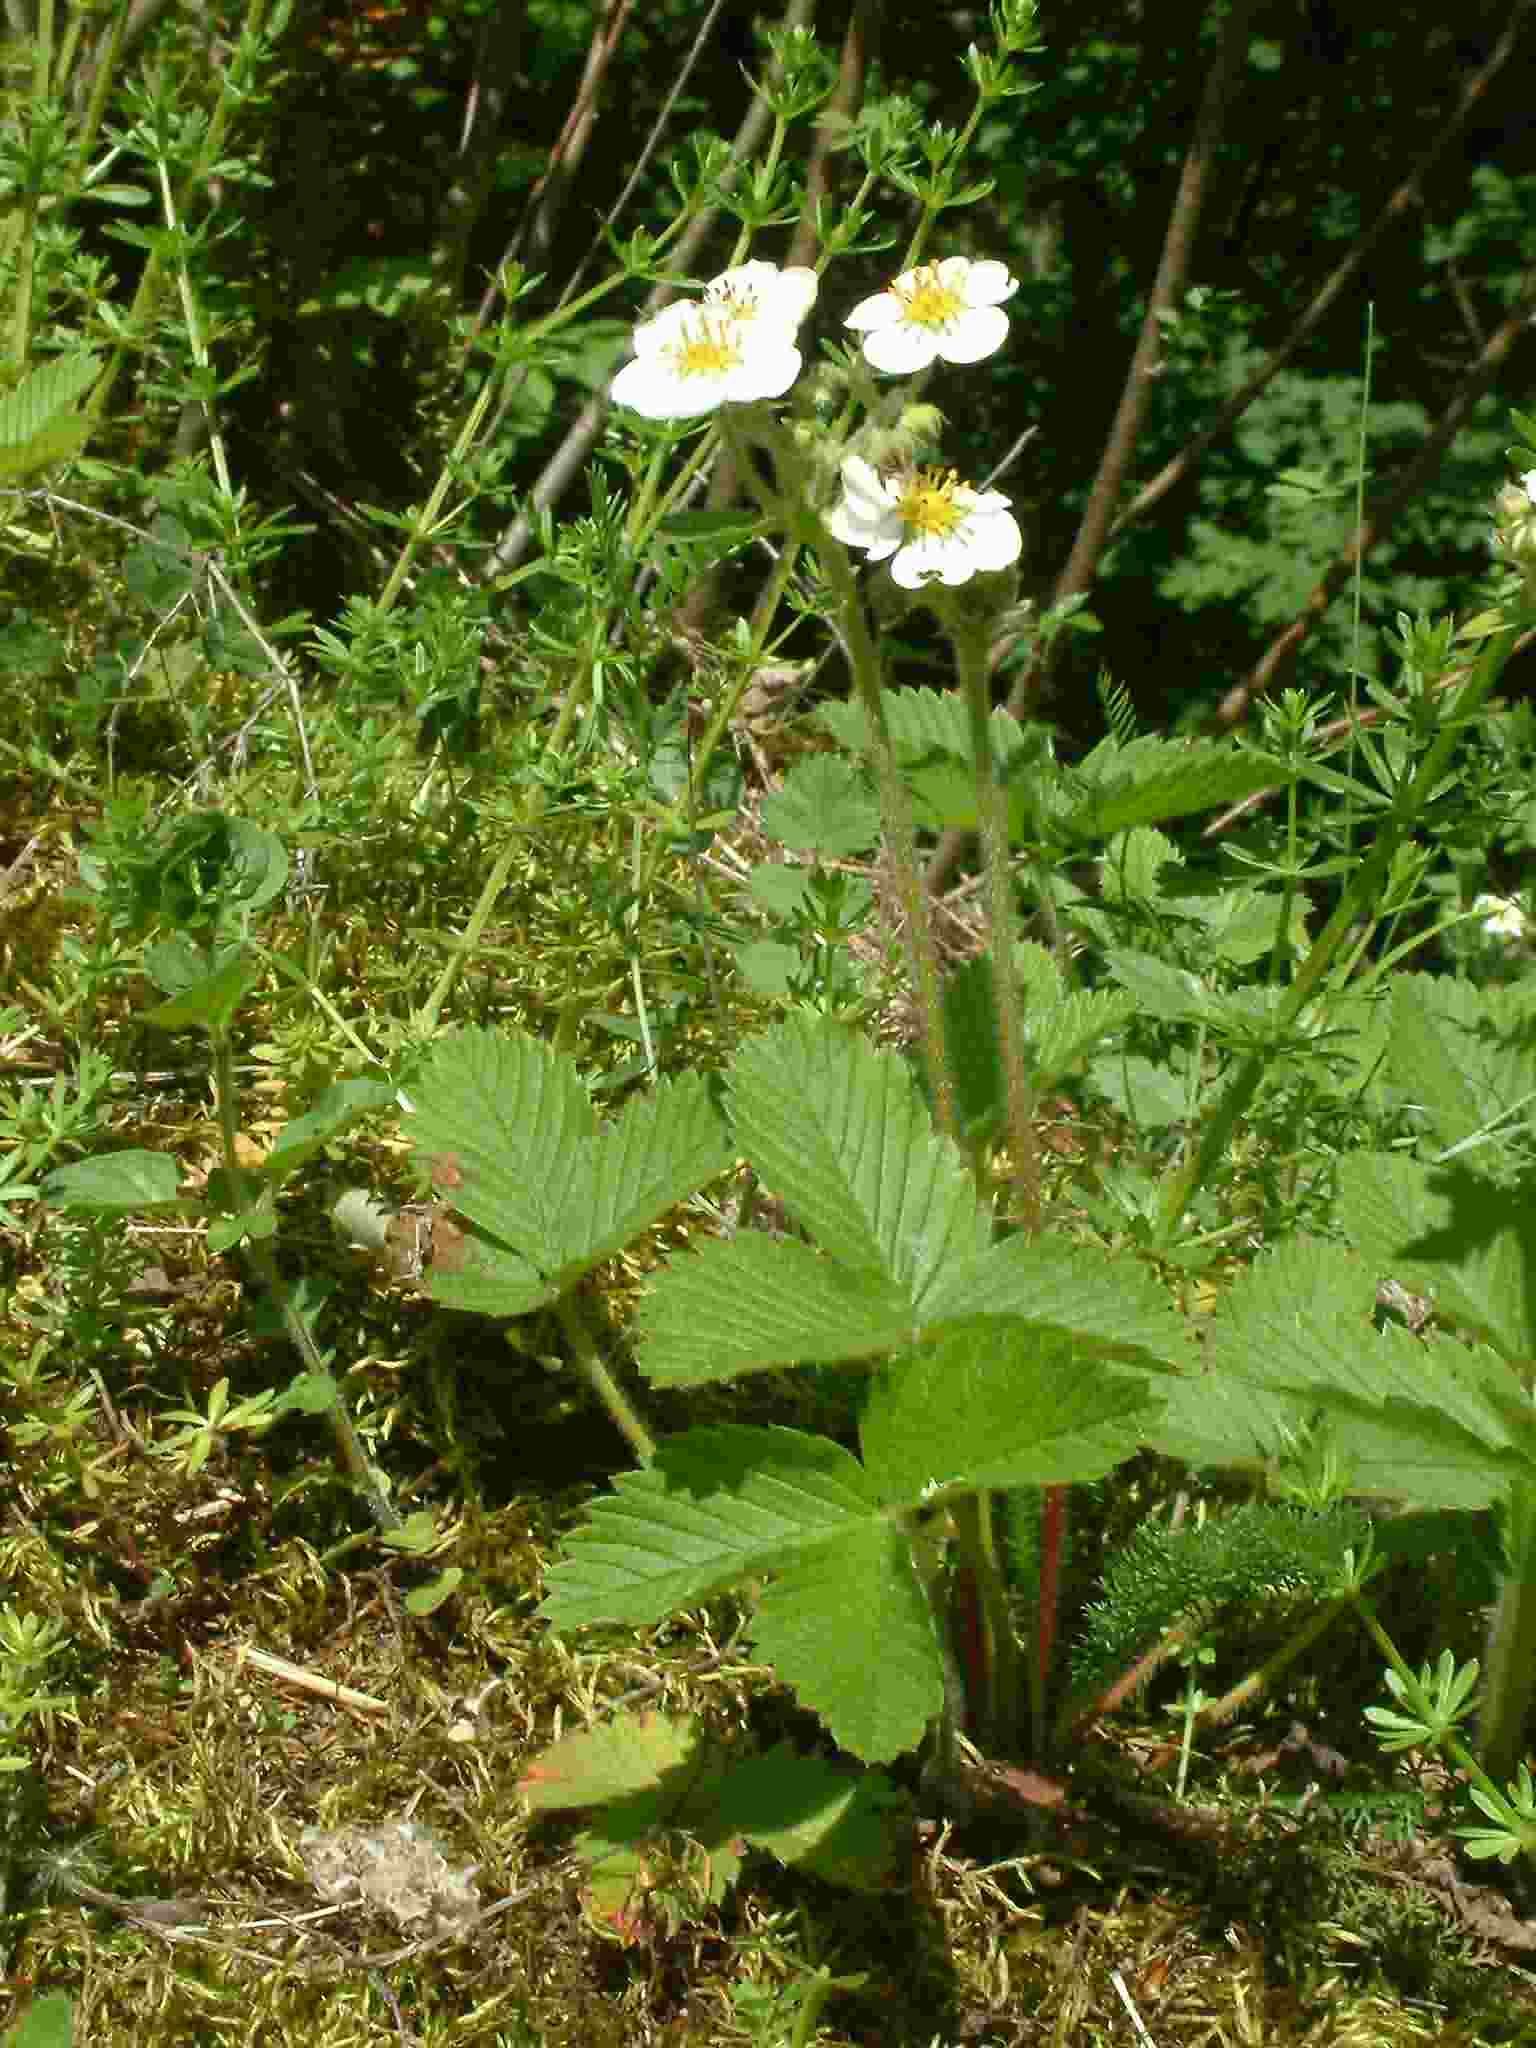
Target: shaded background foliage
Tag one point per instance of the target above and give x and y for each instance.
(411, 145)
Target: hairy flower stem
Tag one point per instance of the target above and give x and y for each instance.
(793, 510)
(971, 638)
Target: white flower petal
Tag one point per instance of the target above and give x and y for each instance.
(877, 311)
(900, 349)
(994, 542)
(861, 480)
(978, 332)
(989, 283)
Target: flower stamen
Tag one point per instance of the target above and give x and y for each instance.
(927, 301)
(927, 502)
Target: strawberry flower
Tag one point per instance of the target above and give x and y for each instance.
(951, 309)
(929, 525)
(732, 346)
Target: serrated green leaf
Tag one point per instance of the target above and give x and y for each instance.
(840, 1131)
(617, 1758)
(59, 441)
(311, 1393)
(994, 1403)
(757, 1302)
(48, 2022)
(1299, 1319)
(717, 1506)
(1062, 1036)
(1411, 1453)
(116, 1182)
(1151, 779)
(1150, 1095)
(1210, 1418)
(1448, 1233)
(778, 889)
(1112, 1307)
(43, 395)
(1423, 1060)
(921, 722)
(1131, 866)
(510, 1137)
(658, 1149)
(805, 1627)
(427, 1599)
(1463, 1055)
(823, 806)
(498, 1119)
(1159, 988)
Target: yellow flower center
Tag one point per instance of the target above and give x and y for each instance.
(927, 503)
(707, 350)
(927, 301)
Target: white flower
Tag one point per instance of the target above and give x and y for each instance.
(735, 344)
(930, 524)
(951, 309)
(762, 295)
(1501, 915)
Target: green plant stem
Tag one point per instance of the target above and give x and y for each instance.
(1509, 1671)
(353, 1458)
(1263, 1676)
(426, 1020)
(725, 710)
(1355, 905)
(813, 1996)
(584, 1352)
(972, 641)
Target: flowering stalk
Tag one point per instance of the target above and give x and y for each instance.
(895, 798)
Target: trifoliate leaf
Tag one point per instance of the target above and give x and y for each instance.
(994, 1403)
(840, 1132)
(757, 1302)
(717, 1506)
